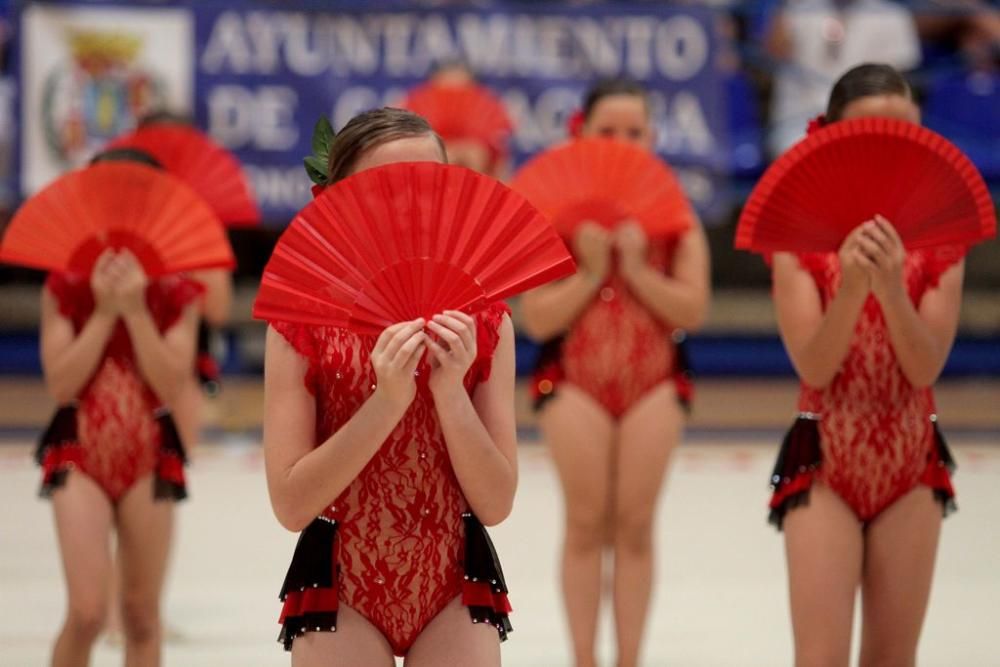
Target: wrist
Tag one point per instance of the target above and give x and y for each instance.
(448, 393)
(591, 280)
(104, 316)
(892, 293)
(134, 316)
(634, 272)
(387, 406)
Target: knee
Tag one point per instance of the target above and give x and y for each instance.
(888, 657)
(818, 655)
(634, 534)
(86, 620)
(140, 619)
(586, 529)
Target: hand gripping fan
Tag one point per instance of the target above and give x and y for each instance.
(67, 225)
(462, 112)
(407, 240)
(211, 170)
(847, 172)
(605, 181)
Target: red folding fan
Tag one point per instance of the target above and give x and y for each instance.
(66, 226)
(211, 170)
(605, 181)
(849, 171)
(407, 240)
(462, 112)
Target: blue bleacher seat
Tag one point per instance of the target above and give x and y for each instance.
(965, 107)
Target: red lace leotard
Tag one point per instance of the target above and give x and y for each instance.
(870, 435)
(399, 543)
(117, 432)
(616, 350)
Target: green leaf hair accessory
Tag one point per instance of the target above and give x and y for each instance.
(318, 163)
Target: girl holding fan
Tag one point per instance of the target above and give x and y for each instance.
(611, 387)
(863, 480)
(389, 452)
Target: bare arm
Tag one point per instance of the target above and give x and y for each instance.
(302, 479)
(778, 38)
(480, 431)
(817, 342)
(681, 299)
(550, 310)
(218, 299)
(69, 360)
(164, 360)
(921, 337)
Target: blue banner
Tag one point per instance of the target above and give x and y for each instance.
(263, 72)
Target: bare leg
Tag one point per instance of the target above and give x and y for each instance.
(824, 544)
(581, 438)
(84, 519)
(648, 434)
(900, 550)
(145, 528)
(187, 411)
(113, 627)
(451, 638)
(356, 642)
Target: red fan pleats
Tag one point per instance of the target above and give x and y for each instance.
(116, 205)
(211, 170)
(407, 240)
(849, 171)
(607, 182)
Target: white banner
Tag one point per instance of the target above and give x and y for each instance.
(88, 74)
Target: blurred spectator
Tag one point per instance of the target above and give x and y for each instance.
(969, 27)
(815, 41)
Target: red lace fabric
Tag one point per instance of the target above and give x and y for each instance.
(400, 528)
(617, 350)
(876, 430)
(119, 438)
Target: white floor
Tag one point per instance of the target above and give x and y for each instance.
(720, 596)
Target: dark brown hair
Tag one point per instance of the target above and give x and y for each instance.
(865, 81)
(610, 87)
(126, 155)
(165, 117)
(369, 130)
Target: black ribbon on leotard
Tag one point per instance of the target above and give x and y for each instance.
(312, 567)
(800, 454)
(944, 496)
(60, 433)
(206, 367)
(169, 483)
(483, 566)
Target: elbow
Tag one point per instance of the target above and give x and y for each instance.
(533, 328)
(60, 393)
(693, 316)
(290, 517)
(817, 379)
(497, 509)
(496, 513)
(695, 321)
(923, 379)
